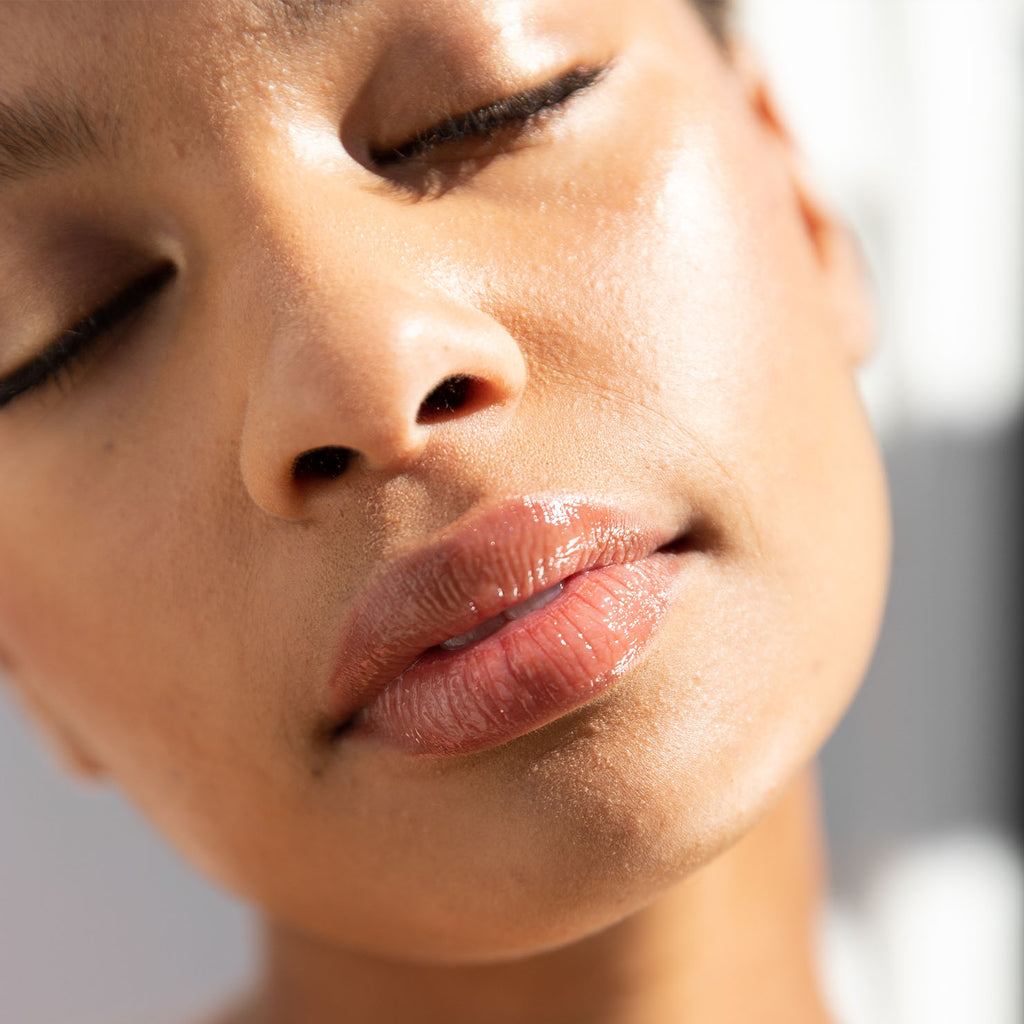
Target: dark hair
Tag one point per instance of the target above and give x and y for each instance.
(716, 16)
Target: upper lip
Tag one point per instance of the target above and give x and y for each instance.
(485, 562)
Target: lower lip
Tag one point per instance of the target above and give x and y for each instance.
(533, 670)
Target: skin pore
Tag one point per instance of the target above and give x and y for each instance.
(653, 312)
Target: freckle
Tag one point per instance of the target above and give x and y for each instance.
(109, 448)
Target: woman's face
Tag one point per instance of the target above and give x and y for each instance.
(648, 332)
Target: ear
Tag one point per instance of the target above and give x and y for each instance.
(70, 751)
(834, 246)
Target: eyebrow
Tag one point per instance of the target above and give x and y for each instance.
(40, 132)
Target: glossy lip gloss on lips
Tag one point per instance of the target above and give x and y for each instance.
(518, 613)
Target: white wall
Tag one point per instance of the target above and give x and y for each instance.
(910, 111)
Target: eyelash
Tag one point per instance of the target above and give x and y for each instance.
(517, 112)
(74, 344)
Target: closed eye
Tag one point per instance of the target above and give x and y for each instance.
(74, 344)
(517, 112)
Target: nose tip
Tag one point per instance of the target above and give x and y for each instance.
(365, 388)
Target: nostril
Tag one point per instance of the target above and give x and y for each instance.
(321, 464)
(449, 396)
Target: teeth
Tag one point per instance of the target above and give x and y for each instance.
(518, 611)
(481, 632)
(531, 604)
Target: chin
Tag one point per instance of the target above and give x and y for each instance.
(583, 824)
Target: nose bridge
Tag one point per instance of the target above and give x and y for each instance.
(359, 343)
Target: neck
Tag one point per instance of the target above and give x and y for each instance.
(736, 941)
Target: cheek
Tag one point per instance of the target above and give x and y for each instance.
(110, 607)
(690, 332)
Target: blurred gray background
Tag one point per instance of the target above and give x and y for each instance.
(911, 115)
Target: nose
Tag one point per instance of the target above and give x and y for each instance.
(361, 375)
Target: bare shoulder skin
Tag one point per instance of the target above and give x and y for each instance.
(436, 489)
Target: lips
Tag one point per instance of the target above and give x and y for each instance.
(515, 615)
